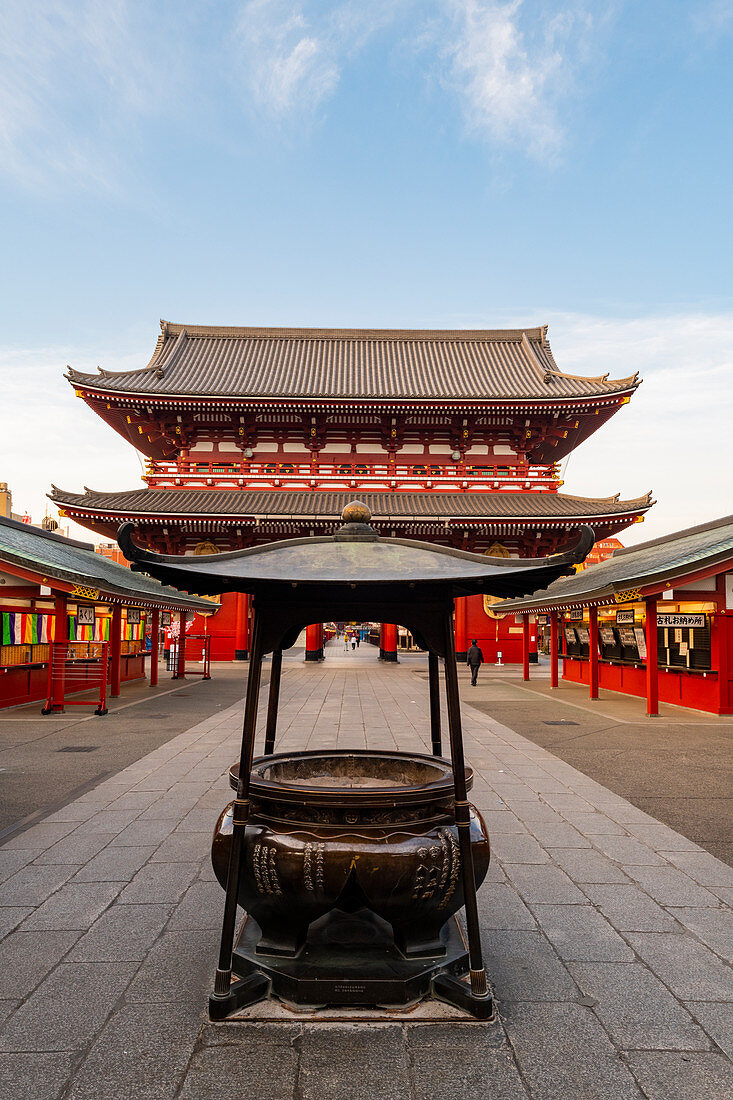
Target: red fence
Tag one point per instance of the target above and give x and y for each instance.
(75, 667)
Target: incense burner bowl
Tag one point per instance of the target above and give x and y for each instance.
(351, 830)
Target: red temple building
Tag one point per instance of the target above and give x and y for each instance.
(258, 434)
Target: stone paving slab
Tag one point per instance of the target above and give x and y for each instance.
(606, 934)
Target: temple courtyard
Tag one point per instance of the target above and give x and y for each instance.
(607, 932)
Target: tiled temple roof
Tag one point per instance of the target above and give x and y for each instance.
(413, 364)
(662, 561)
(284, 503)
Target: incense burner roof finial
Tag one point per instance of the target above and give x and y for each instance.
(356, 516)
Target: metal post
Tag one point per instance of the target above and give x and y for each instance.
(272, 701)
(154, 647)
(241, 813)
(479, 985)
(435, 732)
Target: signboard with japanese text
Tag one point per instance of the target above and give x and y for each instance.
(570, 637)
(133, 616)
(165, 618)
(607, 636)
(576, 615)
(673, 619)
(583, 635)
(85, 615)
(625, 617)
(640, 641)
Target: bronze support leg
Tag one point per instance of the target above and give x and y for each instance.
(434, 703)
(273, 700)
(479, 986)
(241, 813)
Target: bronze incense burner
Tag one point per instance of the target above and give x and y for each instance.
(351, 830)
(352, 865)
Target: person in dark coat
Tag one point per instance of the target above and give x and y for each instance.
(474, 659)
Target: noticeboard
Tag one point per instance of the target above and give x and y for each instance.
(570, 636)
(607, 635)
(640, 641)
(672, 619)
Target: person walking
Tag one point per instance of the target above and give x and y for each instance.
(474, 659)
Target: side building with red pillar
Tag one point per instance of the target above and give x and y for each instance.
(655, 621)
(258, 434)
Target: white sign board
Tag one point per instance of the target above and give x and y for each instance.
(625, 617)
(85, 615)
(672, 619)
(133, 616)
(640, 641)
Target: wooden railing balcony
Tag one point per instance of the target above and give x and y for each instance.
(353, 475)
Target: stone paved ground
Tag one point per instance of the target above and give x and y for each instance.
(606, 934)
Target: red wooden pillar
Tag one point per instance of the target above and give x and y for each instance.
(460, 622)
(553, 650)
(593, 650)
(60, 634)
(154, 647)
(241, 627)
(389, 652)
(115, 649)
(314, 642)
(181, 666)
(525, 647)
(652, 672)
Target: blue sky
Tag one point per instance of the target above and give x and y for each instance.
(412, 163)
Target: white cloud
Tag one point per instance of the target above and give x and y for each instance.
(674, 437)
(73, 76)
(512, 74)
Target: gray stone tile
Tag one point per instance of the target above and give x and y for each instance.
(67, 1009)
(665, 1076)
(532, 810)
(183, 848)
(202, 906)
(159, 882)
(717, 1020)
(517, 848)
(111, 821)
(75, 906)
(669, 886)
(457, 1063)
(259, 1061)
(500, 906)
(587, 865)
(40, 836)
(180, 967)
(558, 834)
(502, 821)
(522, 966)
(579, 932)
(76, 849)
(661, 837)
(122, 933)
(141, 1053)
(629, 909)
(637, 1011)
(593, 824)
(690, 970)
(628, 850)
(544, 885)
(704, 868)
(74, 811)
(115, 864)
(142, 833)
(33, 884)
(12, 861)
(11, 916)
(713, 926)
(371, 1062)
(563, 1051)
(134, 800)
(27, 957)
(34, 1076)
